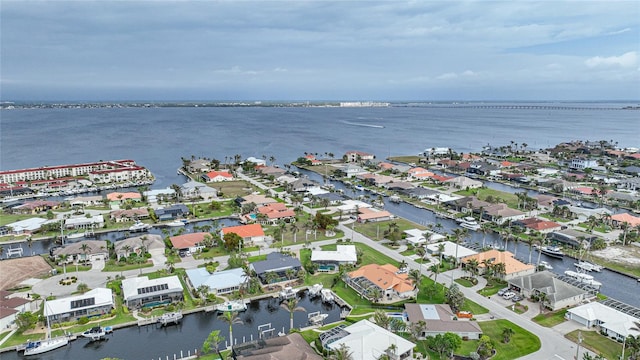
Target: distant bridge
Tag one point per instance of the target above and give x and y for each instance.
(528, 107)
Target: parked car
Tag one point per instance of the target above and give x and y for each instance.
(517, 298)
(508, 295)
(502, 291)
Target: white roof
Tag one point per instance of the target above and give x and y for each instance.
(156, 192)
(27, 224)
(450, 249)
(101, 296)
(612, 319)
(343, 253)
(95, 219)
(368, 341)
(350, 205)
(316, 190)
(415, 236)
(130, 286)
(217, 280)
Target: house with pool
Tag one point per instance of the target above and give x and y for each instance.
(330, 260)
(141, 292)
(393, 285)
(440, 319)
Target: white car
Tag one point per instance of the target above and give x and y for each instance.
(508, 295)
(502, 291)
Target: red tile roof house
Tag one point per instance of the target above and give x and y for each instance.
(543, 226)
(191, 242)
(249, 233)
(371, 215)
(35, 207)
(276, 212)
(217, 176)
(121, 197)
(393, 286)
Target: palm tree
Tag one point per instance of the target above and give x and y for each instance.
(291, 306)
(484, 229)
(381, 319)
(203, 291)
(530, 240)
(506, 334)
(230, 317)
(170, 264)
(213, 343)
(341, 353)
(294, 229)
(472, 265)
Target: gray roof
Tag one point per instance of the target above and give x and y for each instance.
(546, 282)
(439, 318)
(93, 247)
(275, 262)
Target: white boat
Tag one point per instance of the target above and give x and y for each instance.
(95, 333)
(316, 317)
(287, 293)
(315, 290)
(327, 295)
(395, 199)
(469, 223)
(139, 226)
(169, 318)
(48, 344)
(75, 236)
(237, 305)
(175, 223)
(587, 266)
(552, 251)
(583, 278)
(546, 265)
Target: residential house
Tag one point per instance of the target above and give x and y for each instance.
(191, 242)
(136, 245)
(82, 201)
(463, 182)
(10, 306)
(217, 176)
(558, 293)
(172, 212)
(159, 194)
(352, 206)
(440, 320)
(271, 171)
(622, 218)
(257, 161)
(419, 193)
(483, 169)
(96, 302)
(129, 215)
(377, 179)
(353, 170)
(399, 186)
(199, 166)
(545, 202)
(276, 212)
(302, 185)
(197, 190)
(373, 215)
(140, 292)
(513, 268)
(292, 346)
(610, 322)
(26, 226)
(276, 263)
(367, 341)
(357, 156)
(87, 250)
(120, 197)
(386, 278)
(35, 207)
(572, 237)
(501, 213)
(334, 198)
(539, 225)
(220, 282)
(250, 233)
(451, 250)
(581, 163)
(418, 173)
(343, 255)
(259, 200)
(83, 222)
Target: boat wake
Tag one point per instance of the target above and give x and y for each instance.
(363, 124)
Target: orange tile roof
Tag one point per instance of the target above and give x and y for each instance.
(213, 174)
(187, 240)
(276, 211)
(384, 276)
(368, 214)
(245, 231)
(114, 196)
(543, 225)
(624, 217)
(511, 264)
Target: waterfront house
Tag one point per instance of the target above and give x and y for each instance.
(353, 170)
(120, 197)
(139, 292)
(35, 207)
(82, 201)
(220, 282)
(440, 319)
(610, 322)
(558, 293)
(302, 185)
(450, 250)
(129, 215)
(352, 206)
(463, 182)
(27, 226)
(83, 222)
(513, 268)
(276, 212)
(257, 199)
(288, 347)
(399, 186)
(393, 284)
(277, 263)
(199, 166)
(501, 213)
(367, 341)
(270, 171)
(581, 163)
(135, 245)
(540, 225)
(86, 250)
(572, 237)
(622, 218)
(191, 242)
(357, 156)
(250, 234)
(343, 255)
(155, 195)
(197, 190)
(256, 161)
(93, 303)
(10, 306)
(172, 212)
(373, 215)
(217, 176)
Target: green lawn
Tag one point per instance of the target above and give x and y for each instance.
(464, 282)
(551, 319)
(597, 343)
(521, 344)
(504, 197)
(375, 230)
(492, 287)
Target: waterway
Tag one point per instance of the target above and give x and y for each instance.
(153, 342)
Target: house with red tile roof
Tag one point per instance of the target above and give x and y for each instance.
(36, 206)
(392, 284)
(385, 166)
(217, 176)
(275, 212)
(540, 225)
(513, 267)
(419, 173)
(249, 233)
(371, 215)
(121, 197)
(191, 242)
(619, 219)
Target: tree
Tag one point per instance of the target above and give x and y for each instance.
(507, 333)
(230, 317)
(291, 306)
(270, 277)
(83, 288)
(416, 329)
(203, 291)
(341, 353)
(170, 264)
(455, 298)
(232, 241)
(381, 319)
(212, 343)
(485, 347)
(26, 320)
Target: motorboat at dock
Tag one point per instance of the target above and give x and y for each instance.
(327, 295)
(287, 293)
(237, 305)
(315, 290)
(170, 318)
(97, 332)
(469, 222)
(583, 278)
(552, 251)
(546, 265)
(316, 317)
(139, 226)
(587, 266)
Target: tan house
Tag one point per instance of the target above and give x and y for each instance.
(513, 267)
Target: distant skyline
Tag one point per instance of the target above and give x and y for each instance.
(319, 50)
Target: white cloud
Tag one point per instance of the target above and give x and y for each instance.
(452, 75)
(627, 60)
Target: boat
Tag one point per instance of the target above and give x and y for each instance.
(170, 318)
(175, 223)
(75, 236)
(327, 295)
(48, 344)
(587, 266)
(316, 317)
(552, 251)
(315, 290)
(546, 265)
(237, 305)
(287, 293)
(469, 223)
(139, 226)
(583, 278)
(95, 333)
(395, 199)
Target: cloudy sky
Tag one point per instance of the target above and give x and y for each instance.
(319, 50)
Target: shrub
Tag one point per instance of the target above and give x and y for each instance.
(83, 320)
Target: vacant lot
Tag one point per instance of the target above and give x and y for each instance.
(14, 271)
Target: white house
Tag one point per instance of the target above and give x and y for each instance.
(95, 221)
(581, 163)
(343, 255)
(368, 341)
(449, 250)
(611, 322)
(219, 283)
(141, 291)
(95, 302)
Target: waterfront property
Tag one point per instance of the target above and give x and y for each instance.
(370, 214)
(450, 251)
(609, 321)
(121, 215)
(26, 226)
(512, 267)
(83, 222)
(250, 234)
(10, 307)
(103, 171)
(191, 242)
(276, 212)
(95, 302)
(367, 341)
(196, 190)
(87, 250)
(35, 207)
(217, 176)
(343, 255)
(142, 292)
(147, 242)
(441, 320)
(172, 212)
(557, 293)
(387, 279)
(277, 263)
(292, 346)
(219, 283)
(572, 237)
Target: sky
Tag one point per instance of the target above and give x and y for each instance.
(319, 50)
